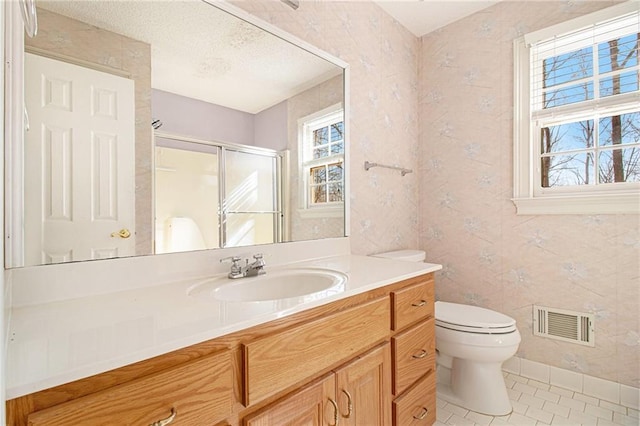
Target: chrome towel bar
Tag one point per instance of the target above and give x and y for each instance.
(368, 165)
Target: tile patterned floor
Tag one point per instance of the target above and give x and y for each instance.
(535, 403)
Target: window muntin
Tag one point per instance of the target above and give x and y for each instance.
(584, 142)
(574, 98)
(322, 158)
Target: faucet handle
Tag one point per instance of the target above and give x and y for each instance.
(232, 259)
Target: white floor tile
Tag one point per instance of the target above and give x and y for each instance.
(536, 405)
(459, 411)
(517, 378)
(514, 395)
(479, 419)
(524, 388)
(531, 401)
(547, 396)
(586, 398)
(442, 414)
(556, 409)
(539, 385)
(613, 407)
(539, 415)
(619, 419)
(574, 404)
(583, 419)
(519, 407)
(519, 419)
(600, 412)
(561, 391)
(459, 421)
(562, 421)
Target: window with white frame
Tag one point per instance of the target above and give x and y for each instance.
(321, 148)
(577, 123)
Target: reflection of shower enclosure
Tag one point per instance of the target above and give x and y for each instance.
(210, 195)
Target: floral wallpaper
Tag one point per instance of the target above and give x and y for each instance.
(492, 257)
(442, 105)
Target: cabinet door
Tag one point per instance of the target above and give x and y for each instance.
(364, 389)
(313, 405)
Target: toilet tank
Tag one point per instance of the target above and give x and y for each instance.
(406, 255)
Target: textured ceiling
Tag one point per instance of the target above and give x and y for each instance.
(204, 53)
(423, 16)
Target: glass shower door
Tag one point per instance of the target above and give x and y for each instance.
(251, 210)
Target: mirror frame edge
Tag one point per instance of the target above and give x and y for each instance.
(14, 122)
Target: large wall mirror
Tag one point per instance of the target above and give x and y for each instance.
(164, 126)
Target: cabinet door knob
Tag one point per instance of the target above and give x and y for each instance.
(422, 354)
(422, 414)
(335, 413)
(421, 303)
(349, 404)
(166, 421)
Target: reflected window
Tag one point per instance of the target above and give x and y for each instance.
(322, 158)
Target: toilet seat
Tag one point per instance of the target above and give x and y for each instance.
(472, 319)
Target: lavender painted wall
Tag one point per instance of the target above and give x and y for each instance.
(198, 119)
(270, 127)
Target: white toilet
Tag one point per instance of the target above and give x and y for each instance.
(472, 345)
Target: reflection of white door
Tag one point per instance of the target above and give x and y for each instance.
(79, 163)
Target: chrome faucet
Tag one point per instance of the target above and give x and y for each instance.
(248, 270)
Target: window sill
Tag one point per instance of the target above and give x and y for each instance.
(321, 212)
(626, 203)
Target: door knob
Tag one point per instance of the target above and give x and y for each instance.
(123, 233)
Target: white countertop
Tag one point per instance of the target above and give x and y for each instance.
(55, 343)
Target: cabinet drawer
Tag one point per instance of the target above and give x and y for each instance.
(201, 392)
(417, 406)
(411, 304)
(276, 362)
(414, 354)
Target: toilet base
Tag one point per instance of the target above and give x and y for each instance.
(478, 387)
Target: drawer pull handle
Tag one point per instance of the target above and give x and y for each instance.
(349, 404)
(422, 303)
(166, 421)
(335, 412)
(422, 414)
(421, 355)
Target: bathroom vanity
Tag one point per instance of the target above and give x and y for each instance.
(364, 354)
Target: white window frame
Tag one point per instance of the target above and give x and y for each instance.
(528, 196)
(306, 125)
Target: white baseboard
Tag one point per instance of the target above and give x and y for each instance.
(607, 390)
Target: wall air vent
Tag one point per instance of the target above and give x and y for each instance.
(569, 326)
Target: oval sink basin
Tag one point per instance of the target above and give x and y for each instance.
(274, 285)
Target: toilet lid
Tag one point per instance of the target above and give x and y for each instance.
(472, 318)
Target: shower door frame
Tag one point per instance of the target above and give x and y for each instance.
(279, 191)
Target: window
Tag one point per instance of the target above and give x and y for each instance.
(321, 161)
(577, 122)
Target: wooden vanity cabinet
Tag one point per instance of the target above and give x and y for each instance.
(286, 371)
(414, 354)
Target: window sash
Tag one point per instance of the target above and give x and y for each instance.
(529, 196)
